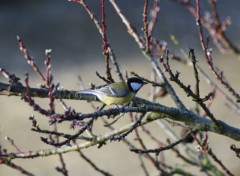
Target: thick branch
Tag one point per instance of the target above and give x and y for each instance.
(19, 90)
(184, 116)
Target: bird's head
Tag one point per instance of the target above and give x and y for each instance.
(135, 84)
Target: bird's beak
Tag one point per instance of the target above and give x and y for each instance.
(144, 83)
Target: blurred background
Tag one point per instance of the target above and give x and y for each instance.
(76, 45)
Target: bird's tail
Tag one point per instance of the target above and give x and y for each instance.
(89, 91)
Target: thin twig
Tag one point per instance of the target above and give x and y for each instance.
(227, 98)
(30, 60)
(236, 150)
(97, 23)
(67, 136)
(154, 83)
(203, 147)
(145, 26)
(62, 170)
(70, 138)
(153, 13)
(89, 161)
(130, 28)
(5, 74)
(105, 45)
(122, 136)
(143, 166)
(17, 167)
(193, 57)
(214, 157)
(158, 150)
(155, 163)
(12, 143)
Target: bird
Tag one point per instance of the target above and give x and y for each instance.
(119, 93)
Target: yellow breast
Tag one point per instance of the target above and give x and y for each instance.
(117, 100)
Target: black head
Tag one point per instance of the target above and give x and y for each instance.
(135, 84)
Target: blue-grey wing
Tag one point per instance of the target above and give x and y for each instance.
(117, 91)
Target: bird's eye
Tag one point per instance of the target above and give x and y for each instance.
(135, 86)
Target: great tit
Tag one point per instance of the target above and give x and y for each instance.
(117, 93)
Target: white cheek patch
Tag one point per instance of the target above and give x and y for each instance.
(135, 86)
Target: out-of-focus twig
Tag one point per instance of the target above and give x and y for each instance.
(153, 14)
(209, 58)
(97, 23)
(217, 31)
(89, 161)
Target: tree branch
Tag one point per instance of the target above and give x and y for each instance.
(185, 116)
